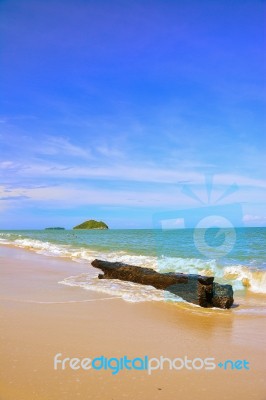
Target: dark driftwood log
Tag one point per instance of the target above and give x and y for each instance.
(196, 289)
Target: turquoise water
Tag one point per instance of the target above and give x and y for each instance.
(249, 247)
(235, 256)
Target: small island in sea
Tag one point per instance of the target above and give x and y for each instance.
(92, 224)
(56, 228)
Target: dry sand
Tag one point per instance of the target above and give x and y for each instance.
(40, 318)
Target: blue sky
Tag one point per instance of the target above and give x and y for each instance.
(108, 108)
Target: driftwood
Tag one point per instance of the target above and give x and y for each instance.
(196, 289)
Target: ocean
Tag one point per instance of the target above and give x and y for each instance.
(234, 256)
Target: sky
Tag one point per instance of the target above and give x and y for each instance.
(118, 110)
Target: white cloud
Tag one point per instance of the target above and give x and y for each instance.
(58, 145)
(253, 219)
(6, 165)
(136, 173)
(76, 194)
(177, 223)
(108, 151)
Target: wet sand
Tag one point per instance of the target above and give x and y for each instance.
(40, 318)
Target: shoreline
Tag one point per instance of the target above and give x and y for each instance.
(43, 318)
(245, 272)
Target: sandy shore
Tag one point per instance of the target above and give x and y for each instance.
(40, 318)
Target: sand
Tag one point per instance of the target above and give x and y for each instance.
(40, 318)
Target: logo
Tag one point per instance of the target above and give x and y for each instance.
(211, 227)
(116, 365)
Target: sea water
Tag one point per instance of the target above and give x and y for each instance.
(243, 264)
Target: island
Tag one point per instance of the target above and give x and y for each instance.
(56, 228)
(92, 224)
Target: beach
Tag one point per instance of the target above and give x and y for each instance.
(132, 200)
(41, 318)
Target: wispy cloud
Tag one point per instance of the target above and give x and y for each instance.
(256, 220)
(134, 173)
(54, 145)
(110, 152)
(8, 198)
(158, 195)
